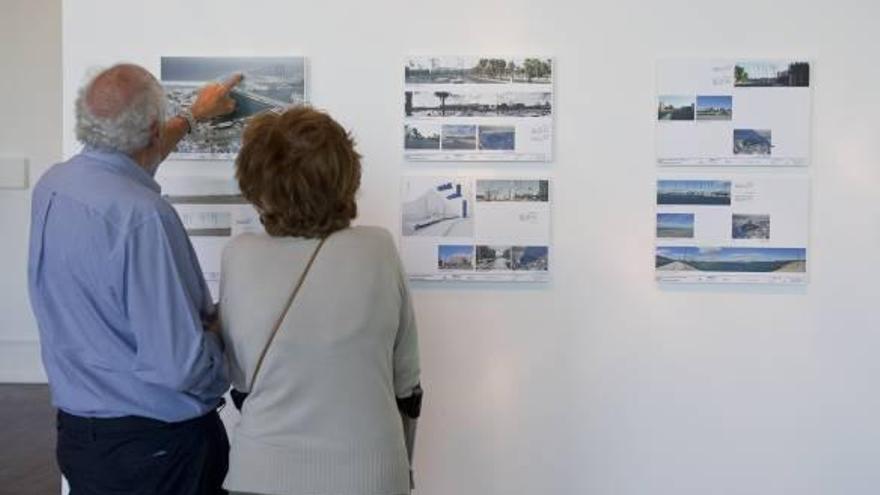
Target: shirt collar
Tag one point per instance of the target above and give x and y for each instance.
(124, 164)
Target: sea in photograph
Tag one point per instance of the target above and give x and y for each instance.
(731, 259)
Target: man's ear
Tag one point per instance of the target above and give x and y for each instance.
(155, 134)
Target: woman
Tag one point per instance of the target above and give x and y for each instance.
(330, 377)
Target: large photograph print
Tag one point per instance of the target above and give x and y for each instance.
(270, 84)
(485, 108)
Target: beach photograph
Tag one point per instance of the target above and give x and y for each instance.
(675, 225)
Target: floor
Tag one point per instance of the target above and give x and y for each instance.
(27, 441)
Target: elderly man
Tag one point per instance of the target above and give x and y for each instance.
(126, 321)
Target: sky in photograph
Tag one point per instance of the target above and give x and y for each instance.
(425, 129)
(494, 129)
(733, 254)
(725, 102)
(533, 251)
(685, 186)
(764, 69)
(750, 133)
(448, 251)
(676, 101)
(427, 99)
(741, 219)
(459, 130)
(679, 220)
(433, 63)
(527, 99)
(212, 68)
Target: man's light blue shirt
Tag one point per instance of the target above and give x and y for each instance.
(119, 296)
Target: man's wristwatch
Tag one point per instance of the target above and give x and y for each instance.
(190, 120)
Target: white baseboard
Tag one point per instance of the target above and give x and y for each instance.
(20, 362)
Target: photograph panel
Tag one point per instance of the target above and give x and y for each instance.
(494, 258)
(269, 84)
(751, 226)
(444, 103)
(752, 142)
(731, 259)
(421, 136)
(513, 190)
(675, 107)
(497, 137)
(459, 137)
(714, 107)
(675, 225)
(478, 70)
(455, 257)
(763, 74)
(437, 208)
(693, 192)
(525, 104)
(529, 258)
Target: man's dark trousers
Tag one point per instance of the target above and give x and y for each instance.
(133, 455)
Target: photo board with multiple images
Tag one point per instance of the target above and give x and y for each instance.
(733, 112)
(475, 229)
(732, 228)
(489, 108)
(710, 113)
(739, 115)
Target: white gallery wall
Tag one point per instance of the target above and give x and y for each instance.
(600, 382)
(30, 133)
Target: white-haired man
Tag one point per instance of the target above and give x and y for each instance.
(135, 365)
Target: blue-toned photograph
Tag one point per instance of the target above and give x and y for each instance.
(675, 225)
(496, 137)
(270, 84)
(529, 258)
(731, 259)
(675, 107)
(455, 257)
(693, 192)
(459, 137)
(714, 107)
(752, 142)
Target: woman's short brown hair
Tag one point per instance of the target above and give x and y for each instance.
(301, 172)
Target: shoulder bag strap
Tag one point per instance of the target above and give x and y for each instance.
(283, 314)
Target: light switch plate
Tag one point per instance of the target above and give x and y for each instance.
(13, 172)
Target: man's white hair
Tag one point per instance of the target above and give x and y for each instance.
(116, 109)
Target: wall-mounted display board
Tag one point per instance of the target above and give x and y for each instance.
(732, 228)
(476, 229)
(478, 108)
(733, 112)
(212, 211)
(269, 84)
